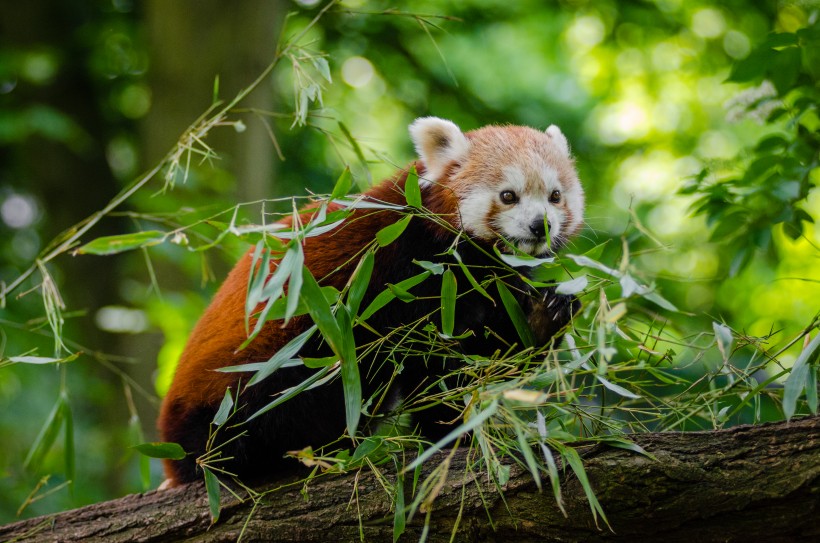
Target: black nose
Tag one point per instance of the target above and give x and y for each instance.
(537, 227)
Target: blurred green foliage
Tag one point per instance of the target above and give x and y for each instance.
(695, 129)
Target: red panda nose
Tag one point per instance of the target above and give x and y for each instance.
(537, 227)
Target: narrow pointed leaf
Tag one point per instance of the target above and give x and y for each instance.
(391, 233)
(448, 302)
(110, 245)
(172, 451)
(212, 486)
(412, 192)
(516, 314)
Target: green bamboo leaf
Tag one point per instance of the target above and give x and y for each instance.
(279, 307)
(135, 436)
(359, 282)
(617, 389)
(623, 443)
(316, 363)
(432, 267)
(552, 467)
(470, 277)
(399, 514)
(109, 245)
(279, 358)
(391, 233)
(212, 486)
(290, 266)
(319, 310)
(46, 438)
(351, 381)
(157, 449)
(412, 192)
(215, 97)
(386, 296)
(289, 393)
(42, 359)
(573, 286)
(224, 410)
(516, 314)
(343, 184)
(321, 65)
(572, 458)
(526, 450)
(449, 290)
(799, 378)
(400, 293)
(256, 281)
(295, 283)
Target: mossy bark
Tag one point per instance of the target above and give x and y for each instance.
(749, 483)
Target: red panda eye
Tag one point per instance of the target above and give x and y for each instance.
(508, 197)
(555, 197)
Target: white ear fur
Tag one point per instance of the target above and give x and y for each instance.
(438, 142)
(555, 133)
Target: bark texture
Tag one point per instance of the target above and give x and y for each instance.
(749, 483)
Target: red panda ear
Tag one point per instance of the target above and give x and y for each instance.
(558, 137)
(438, 143)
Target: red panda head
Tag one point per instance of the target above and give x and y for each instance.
(511, 181)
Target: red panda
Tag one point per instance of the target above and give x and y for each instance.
(509, 182)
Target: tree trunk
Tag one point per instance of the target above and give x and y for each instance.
(749, 483)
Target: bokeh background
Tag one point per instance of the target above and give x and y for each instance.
(92, 93)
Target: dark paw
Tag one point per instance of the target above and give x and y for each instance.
(551, 313)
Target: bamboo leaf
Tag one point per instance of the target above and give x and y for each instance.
(399, 514)
(391, 233)
(432, 267)
(799, 378)
(516, 314)
(351, 382)
(156, 449)
(45, 439)
(256, 281)
(294, 283)
(212, 486)
(574, 460)
(343, 184)
(280, 357)
(319, 310)
(401, 294)
(289, 393)
(449, 290)
(552, 468)
(224, 410)
(526, 450)
(412, 192)
(386, 296)
(359, 282)
(617, 389)
(42, 359)
(572, 287)
(316, 363)
(109, 245)
(724, 338)
(466, 271)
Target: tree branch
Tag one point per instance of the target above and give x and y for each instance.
(744, 483)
